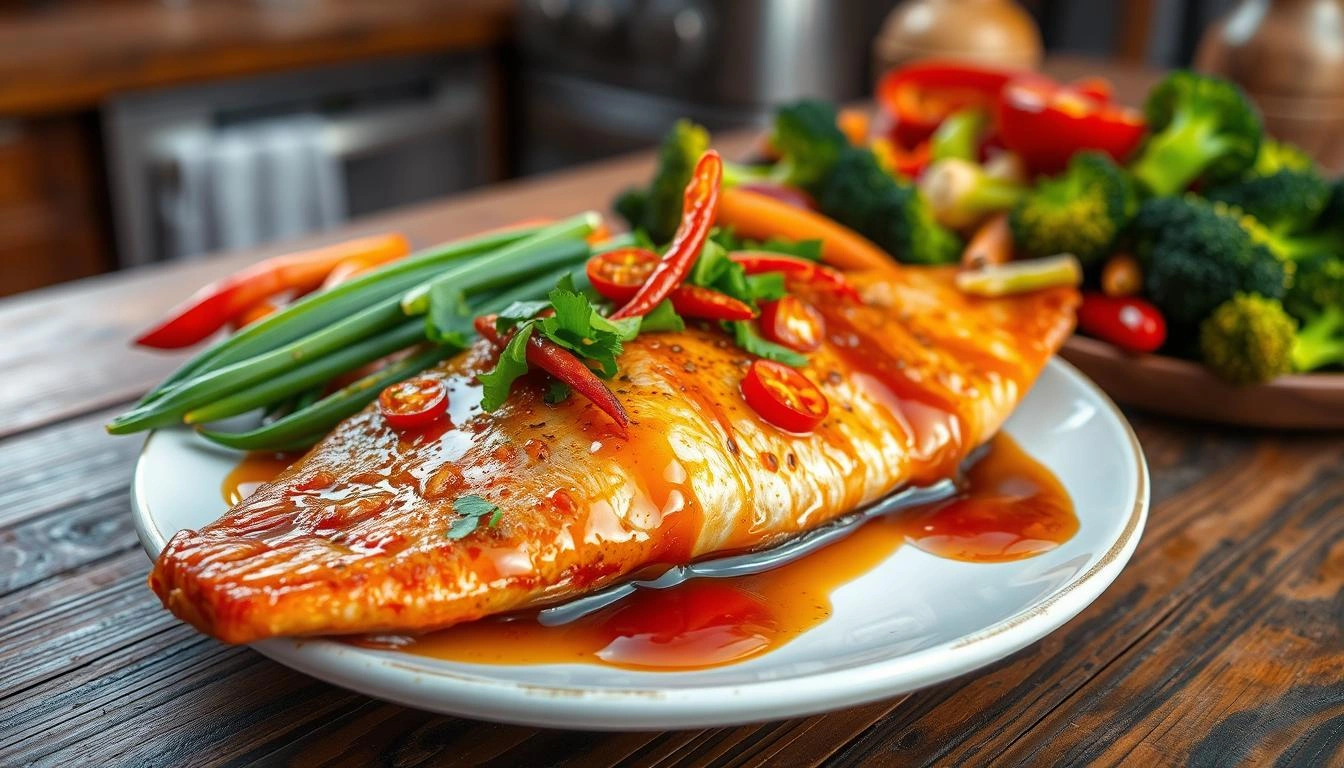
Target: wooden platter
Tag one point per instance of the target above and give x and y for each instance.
(1183, 388)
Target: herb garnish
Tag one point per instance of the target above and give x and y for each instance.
(472, 509)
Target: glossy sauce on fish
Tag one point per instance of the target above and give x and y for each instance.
(1009, 507)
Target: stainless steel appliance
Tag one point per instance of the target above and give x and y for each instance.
(232, 164)
(599, 77)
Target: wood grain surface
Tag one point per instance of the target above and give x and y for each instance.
(1222, 642)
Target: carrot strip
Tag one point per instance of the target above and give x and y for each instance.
(992, 243)
(758, 217)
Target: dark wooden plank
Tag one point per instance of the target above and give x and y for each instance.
(1197, 540)
(50, 469)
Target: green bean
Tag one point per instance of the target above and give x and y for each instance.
(205, 388)
(296, 381)
(331, 409)
(500, 268)
(540, 251)
(311, 312)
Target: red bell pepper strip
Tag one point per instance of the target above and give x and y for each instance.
(618, 274)
(564, 366)
(1125, 321)
(217, 304)
(756, 262)
(1047, 123)
(918, 97)
(698, 209)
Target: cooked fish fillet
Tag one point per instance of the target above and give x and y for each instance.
(352, 537)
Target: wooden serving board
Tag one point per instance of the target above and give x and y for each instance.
(1175, 387)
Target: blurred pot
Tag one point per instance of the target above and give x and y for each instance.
(993, 32)
(1289, 56)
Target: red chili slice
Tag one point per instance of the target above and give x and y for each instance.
(794, 323)
(413, 403)
(784, 397)
(618, 274)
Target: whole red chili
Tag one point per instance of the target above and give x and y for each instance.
(697, 216)
(565, 366)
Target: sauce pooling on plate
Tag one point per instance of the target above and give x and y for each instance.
(1008, 508)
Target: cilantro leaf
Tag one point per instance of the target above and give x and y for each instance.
(449, 318)
(746, 337)
(472, 509)
(557, 392)
(512, 363)
(804, 249)
(518, 312)
(662, 318)
(767, 286)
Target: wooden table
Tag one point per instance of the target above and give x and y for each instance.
(1221, 643)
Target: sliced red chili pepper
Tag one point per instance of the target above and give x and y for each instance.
(916, 98)
(794, 323)
(708, 304)
(618, 274)
(1125, 321)
(803, 270)
(784, 397)
(699, 207)
(1047, 123)
(215, 305)
(413, 403)
(565, 366)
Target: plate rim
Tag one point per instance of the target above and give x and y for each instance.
(641, 707)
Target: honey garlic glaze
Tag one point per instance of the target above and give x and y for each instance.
(1008, 507)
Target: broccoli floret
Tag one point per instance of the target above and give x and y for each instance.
(1318, 284)
(1284, 201)
(1200, 126)
(1248, 339)
(960, 193)
(1080, 211)
(657, 210)
(1317, 299)
(857, 193)
(1283, 190)
(1320, 342)
(808, 140)
(1197, 255)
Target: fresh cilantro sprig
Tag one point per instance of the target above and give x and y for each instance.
(473, 509)
(715, 270)
(573, 323)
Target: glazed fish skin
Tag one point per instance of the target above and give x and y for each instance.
(353, 537)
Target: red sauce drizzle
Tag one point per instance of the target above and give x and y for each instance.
(1010, 507)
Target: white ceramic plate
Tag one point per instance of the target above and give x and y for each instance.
(912, 621)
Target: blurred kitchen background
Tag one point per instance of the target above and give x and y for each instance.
(134, 131)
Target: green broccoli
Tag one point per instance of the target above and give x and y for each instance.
(893, 214)
(808, 140)
(657, 210)
(960, 193)
(1248, 339)
(1320, 341)
(1283, 190)
(1317, 299)
(1318, 284)
(1197, 255)
(1081, 211)
(1200, 126)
